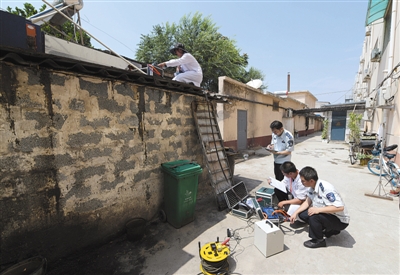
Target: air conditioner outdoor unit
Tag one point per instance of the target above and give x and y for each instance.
(367, 75)
(375, 55)
(368, 31)
(289, 113)
(367, 116)
(383, 95)
(369, 102)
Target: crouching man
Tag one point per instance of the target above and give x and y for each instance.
(323, 210)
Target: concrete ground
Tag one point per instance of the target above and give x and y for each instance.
(369, 245)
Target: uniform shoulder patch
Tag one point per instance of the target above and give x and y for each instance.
(290, 143)
(321, 186)
(331, 197)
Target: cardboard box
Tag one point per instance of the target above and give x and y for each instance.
(268, 238)
(266, 194)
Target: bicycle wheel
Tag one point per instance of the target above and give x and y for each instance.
(394, 177)
(375, 168)
(353, 150)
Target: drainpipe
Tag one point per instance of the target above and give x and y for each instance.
(288, 84)
(391, 42)
(389, 68)
(384, 123)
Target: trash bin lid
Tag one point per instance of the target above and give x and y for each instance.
(181, 168)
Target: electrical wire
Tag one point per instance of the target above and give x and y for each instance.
(386, 78)
(328, 93)
(109, 35)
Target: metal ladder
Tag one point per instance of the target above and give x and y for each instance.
(216, 159)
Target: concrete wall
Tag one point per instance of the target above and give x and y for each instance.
(260, 113)
(378, 82)
(305, 97)
(80, 156)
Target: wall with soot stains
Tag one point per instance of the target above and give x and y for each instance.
(80, 156)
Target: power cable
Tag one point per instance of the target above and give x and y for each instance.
(334, 92)
(109, 35)
(386, 78)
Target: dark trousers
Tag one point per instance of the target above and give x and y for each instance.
(321, 222)
(280, 195)
(277, 171)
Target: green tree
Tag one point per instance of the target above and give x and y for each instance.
(67, 31)
(252, 74)
(354, 127)
(217, 54)
(325, 129)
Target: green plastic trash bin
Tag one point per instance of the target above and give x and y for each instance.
(181, 178)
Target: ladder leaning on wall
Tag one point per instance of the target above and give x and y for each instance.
(217, 163)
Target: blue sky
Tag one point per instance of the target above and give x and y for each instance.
(318, 42)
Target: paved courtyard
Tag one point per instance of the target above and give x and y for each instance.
(369, 245)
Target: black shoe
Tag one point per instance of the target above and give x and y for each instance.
(331, 233)
(315, 243)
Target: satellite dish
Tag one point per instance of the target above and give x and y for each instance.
(255, 83)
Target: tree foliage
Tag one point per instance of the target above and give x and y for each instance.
(67, 31)
(217, 54)
(354, 126)
(252, 74)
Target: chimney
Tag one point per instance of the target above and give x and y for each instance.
(288, 83)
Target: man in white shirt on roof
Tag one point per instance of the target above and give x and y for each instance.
(188, 70)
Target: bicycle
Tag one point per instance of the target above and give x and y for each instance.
(353, 151)
(389, 170)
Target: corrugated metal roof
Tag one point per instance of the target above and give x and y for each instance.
(337, 107)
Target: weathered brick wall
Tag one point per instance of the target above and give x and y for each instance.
(80, 156)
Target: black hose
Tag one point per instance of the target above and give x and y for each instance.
(221, 267)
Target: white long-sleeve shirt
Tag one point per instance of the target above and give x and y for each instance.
(295, 187)
(189, 67)
(187, 63)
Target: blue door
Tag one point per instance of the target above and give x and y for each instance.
(338, 127)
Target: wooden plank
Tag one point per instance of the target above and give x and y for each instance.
(378, 196)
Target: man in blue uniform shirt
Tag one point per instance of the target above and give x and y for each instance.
(323, 210)
(282, 143)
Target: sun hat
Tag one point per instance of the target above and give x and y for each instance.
(176, 47)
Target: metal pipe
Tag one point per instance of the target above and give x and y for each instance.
(69, 19)
(392, 40)
(288, 83)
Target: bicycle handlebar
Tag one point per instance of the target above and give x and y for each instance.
(387, 148)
